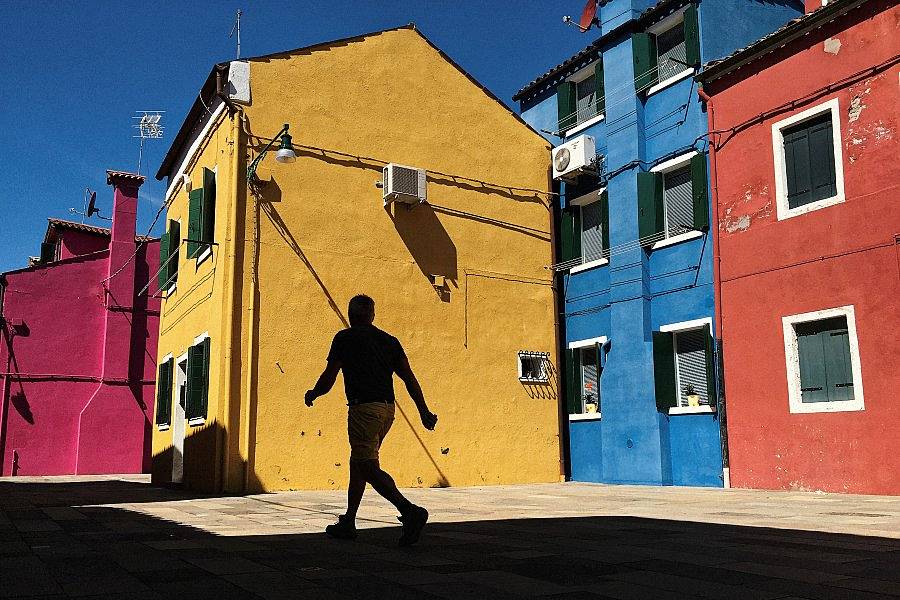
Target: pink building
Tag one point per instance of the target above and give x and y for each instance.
(78, 348)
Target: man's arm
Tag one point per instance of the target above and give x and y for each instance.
(325, 382)
(404, 372)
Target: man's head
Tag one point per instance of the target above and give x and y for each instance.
(361, 310)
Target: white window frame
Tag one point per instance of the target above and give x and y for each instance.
(792, 362)
(544, 358)
(578, 77)
(589, 198)
(578, 345)
(199, 420)
(674, 164)
(676, 328)
(669, 22)
(784, 211)
(165, 426)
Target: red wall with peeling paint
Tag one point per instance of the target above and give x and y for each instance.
(78, 357)
(840, 255)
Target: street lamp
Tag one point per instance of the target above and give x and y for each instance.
(285, 153)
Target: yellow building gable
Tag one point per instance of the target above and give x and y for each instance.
(460, 279)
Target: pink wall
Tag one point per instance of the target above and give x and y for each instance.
(840, 255)
(82, 400)
(77, 243)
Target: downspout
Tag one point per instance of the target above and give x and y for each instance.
(717, 275)
(558, 306)
(248, 414)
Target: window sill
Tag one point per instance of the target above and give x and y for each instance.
(170, 290)
(162, 427)
(589, 265)
(582, 126)
(196, 421)
(585, 417)
(670, 81)
(677, 239)
(206, 253)
(691, 410)
(786, 213)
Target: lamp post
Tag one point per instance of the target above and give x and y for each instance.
(285, 153)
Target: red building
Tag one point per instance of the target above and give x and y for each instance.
(78, 348)
(806, 180)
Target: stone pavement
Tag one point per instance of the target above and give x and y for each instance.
(118, 537)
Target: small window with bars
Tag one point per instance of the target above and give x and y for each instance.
(533, 367)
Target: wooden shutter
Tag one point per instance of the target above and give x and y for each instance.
(811, 355)
(664, 370)
(48, 252)
(692, 35)
(821, 159)
(208, 218)
(162, 277)
(173, 242)
(699, 192)
(565, 105)
(604, 223)
(164, 393)
(712, 394)
(570, 233)
(643, 48)
(195, 222)
(650, 205)
(838, 369)
(599, 88)
(809, 161)
(204, 400)
(573, 381)
(197, 379)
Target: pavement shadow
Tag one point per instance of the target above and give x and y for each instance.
(118, 552)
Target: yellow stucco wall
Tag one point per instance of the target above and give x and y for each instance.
(324, 236)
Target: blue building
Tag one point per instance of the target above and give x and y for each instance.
(634, 246)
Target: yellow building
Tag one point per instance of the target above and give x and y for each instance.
(260, 270)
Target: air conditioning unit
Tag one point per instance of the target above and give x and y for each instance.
(574, 157)
(403, 184)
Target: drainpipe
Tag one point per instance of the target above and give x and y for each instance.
(717, 273)
(559, 304)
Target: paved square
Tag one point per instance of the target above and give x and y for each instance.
(119, 537)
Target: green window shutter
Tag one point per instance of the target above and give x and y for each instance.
(195, 222)
(664, 370)
(710, 367)
(162, 278)
(821, 159)
(811, 354)
(204, 400)
(699, 188)
(208, 218)
(599, 375)
(48, 252)
(600, 89)
(164, 393)
(566, 105)
(566, 234)
(174, 241)
(604, 223)
(573, 381)
(643, 48)
(692, 35)
(650, 205)
(195, 382)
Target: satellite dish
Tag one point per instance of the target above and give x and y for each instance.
(561, 159)
(588, 15)
(91, 208)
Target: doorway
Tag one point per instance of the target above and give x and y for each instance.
(178, 420)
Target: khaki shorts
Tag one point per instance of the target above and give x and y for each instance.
(367, 426)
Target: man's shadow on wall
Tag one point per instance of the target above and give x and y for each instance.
(428, 243)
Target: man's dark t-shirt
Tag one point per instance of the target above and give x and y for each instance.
(369, 358)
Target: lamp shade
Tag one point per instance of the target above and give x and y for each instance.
(286, 152)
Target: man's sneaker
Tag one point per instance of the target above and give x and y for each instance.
(413, 523)
(344, 529)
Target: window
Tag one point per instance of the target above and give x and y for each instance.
(808, 160)
(49, 252)
(683, 367)
(164, 394)
(202, 216)
(580, 99)
(823, 367)
(668, 52)
(672, 200)
(533, 367)
(197, 382)
(585, 226)
(584, 368)
(168, 256)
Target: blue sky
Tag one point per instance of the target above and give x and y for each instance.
(74, 73)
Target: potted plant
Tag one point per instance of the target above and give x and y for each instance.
(693, 398)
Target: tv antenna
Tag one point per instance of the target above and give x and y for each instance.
(237, 30)
(149, 127)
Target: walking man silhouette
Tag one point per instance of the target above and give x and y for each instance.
(369, 357)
